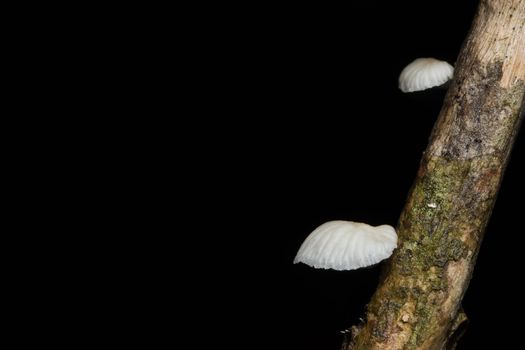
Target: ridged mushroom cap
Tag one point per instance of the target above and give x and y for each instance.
(347, 245)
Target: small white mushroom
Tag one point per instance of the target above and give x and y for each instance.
(347, 245)
(425, 73)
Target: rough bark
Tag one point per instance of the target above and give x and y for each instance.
(417, 303)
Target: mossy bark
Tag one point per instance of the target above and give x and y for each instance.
(418, 302)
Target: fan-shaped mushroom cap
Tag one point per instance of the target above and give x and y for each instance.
(347, 245)
(425, 73)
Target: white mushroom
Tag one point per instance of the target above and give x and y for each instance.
(347, 245)
(425, 73)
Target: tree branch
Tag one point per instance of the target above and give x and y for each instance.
(417, 303)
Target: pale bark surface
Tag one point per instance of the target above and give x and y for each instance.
(418, 302)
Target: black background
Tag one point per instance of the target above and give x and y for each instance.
(318, 130)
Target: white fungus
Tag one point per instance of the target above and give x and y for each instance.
(347, 245)
(425, 73)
